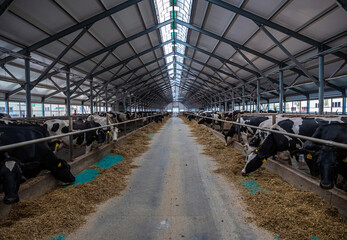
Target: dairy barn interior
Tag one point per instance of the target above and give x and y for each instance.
(173, 119)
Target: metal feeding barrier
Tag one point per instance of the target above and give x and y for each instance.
(317, 140)
(21, 144)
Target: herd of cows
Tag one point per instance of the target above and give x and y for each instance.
(19, 164)
(323, 161)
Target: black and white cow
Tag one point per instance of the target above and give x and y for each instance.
(330, 160)
(89, 139)
(203, 120)
(27, 161)
(275, 142)
(107, 119)
(246, 132)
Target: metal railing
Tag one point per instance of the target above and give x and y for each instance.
(21, 144)
(317, 140)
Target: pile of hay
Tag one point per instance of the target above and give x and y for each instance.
(280, 208)
(64, 210)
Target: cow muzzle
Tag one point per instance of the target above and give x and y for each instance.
(10, 200)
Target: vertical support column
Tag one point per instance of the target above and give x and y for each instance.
(344, 102)
(268, 105)
(258, 95)
(106, 98)
(68, 108)
(43, 106)
(125, 103)
(281, 90)
(321, 83)
(130, 104)
(27, 88)
(225, 103)
(219, 102)
(82, 103)
(91, 97)
(243, 97)
(233, 100)
(7, 106)
(308, 103)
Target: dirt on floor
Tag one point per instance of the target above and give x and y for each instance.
(64, 209)
(273, 203)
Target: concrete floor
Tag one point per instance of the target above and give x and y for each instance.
(173, 195)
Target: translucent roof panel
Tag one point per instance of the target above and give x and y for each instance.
(174, 9)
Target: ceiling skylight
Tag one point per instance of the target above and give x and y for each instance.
(174, 9)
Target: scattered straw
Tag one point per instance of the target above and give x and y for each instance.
(64, 210)
(283, 209)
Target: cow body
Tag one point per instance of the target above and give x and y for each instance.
(331, 161)
(205, 120)
(28, 160)
(108, 119)
(275, 142)
(246, 132)
(89, 139)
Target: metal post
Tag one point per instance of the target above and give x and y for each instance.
(106, 100)
(68, 108)
(233, 100)
(7, 106)
(43, 108)
(243, 97)
(125, 104)
(130, 104)
(281, 90)
(258, 95)
(268, 105)
(321, 83)
(308, 104)
(27, 88)
(344, 103)
(225, 103)
(91, 96)
(82, 104)
(219, 103)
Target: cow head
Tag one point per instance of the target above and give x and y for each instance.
(230, 134)
(201, 121)
(114, 134)
(257, 157)
(100, 135)
(327, 166)
(10, 176)
(61, 171)
(321, 160)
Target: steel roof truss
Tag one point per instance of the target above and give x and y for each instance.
(273, 25)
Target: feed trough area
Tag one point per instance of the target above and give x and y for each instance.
(173, 119)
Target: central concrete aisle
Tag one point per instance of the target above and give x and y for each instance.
(173, 195)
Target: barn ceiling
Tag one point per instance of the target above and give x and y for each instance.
(171, 50)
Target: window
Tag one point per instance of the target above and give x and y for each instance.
(174, 9)
(336, 104)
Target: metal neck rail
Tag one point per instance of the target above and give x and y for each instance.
(317, 140)
(21, 144)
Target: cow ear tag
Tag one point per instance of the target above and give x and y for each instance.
(309, 156)
(108, 131)
(264, 160)
(57, 145)
(345, 160)
(59, 165)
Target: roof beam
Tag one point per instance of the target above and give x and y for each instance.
(63, 33)
(4, 6)
(237, 45)
(132, 58)
(273, 25)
